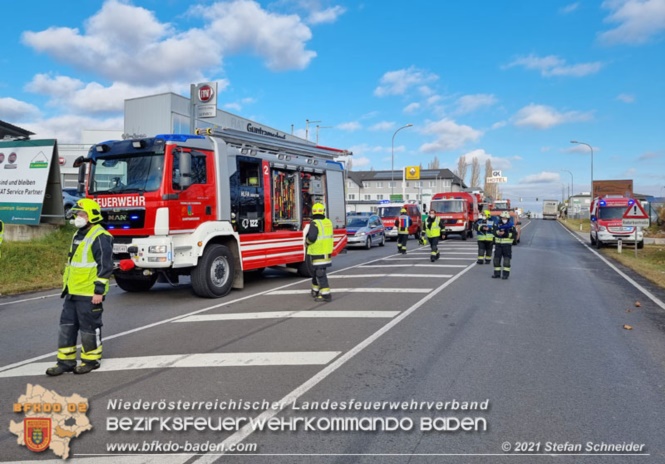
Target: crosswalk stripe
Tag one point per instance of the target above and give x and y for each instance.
(360, 276)
(296, 358)
(383, 266)
(356, 290)
(290, 314)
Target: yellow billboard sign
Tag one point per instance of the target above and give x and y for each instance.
(412, 172)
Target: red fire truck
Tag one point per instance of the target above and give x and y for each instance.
(212, 206)
(459, 211)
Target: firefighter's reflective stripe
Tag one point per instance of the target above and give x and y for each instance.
(93, 355)
(67, 353)
(321, 250)
(504, 240)
(403, 224)
(485, 235)
(81, 272)
(434, 230)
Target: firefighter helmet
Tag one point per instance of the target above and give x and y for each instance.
(90, 207)
(505, 215)
(403, 210)
(487, 213)
(318, 208)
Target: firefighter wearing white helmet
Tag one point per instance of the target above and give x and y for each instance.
(85, 282)
(319, 251)
(504, 233)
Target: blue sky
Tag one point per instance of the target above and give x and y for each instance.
(512, 81)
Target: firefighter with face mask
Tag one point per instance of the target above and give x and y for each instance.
(403, 222)
(504, 233)
(85, 282)
(319, 250)
(485, 233)
(433, 227)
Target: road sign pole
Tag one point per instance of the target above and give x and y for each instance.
(636, 241)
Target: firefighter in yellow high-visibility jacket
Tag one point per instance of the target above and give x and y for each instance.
(85, 282)
(319, 251)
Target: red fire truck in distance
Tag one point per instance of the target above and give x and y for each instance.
(459, 211)
(212, 206)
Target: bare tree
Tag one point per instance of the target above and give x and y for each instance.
(349, 164)
(461, 167)
(434, 164)
(475, 173)
(489, 188)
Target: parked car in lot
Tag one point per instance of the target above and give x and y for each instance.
(69, 198)
(365, 231)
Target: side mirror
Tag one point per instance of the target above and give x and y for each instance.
(185, 163)
(80, 186)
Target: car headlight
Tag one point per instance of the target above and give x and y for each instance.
(157, 249)
(360, 234)
(602, 229)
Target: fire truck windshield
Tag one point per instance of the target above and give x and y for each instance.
(127, 174)
(448, 206)
(389, 211)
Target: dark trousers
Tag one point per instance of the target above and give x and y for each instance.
(80, 315)
(401, 242)
(505, 252)
(320, 280)
(485, 250)
(434, 245)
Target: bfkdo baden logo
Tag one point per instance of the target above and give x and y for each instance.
(50, 420)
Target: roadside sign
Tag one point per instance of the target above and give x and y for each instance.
(497, 180)
(641, 222)
(635, 211)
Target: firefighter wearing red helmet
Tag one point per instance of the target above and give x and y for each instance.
(504, 233)
(85, 282)
(319, 251)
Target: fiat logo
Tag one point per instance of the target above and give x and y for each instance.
(206, 93)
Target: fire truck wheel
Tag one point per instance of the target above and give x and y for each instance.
(213, 276)
(135, 283)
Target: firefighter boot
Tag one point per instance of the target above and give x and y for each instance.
(432, 258)
(86, 367)
(505, 275)
(480, 261)
(488, 260)
(438, 255)
(497, 274)
(315, 291)
(58, 370)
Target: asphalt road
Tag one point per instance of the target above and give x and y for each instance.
(543, 357)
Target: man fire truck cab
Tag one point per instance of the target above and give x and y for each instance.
(389, 212)
(606, 222)
(211, 206)
(459, 212)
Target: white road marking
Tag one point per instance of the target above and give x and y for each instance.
(646, 292)
(295, 358)
(383, 266)
(111, 459)
(388, 275)
(328, 370)
(290, 314)
(356, 290)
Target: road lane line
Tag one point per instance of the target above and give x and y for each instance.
(289, 315)
(646, 292)
(383, 266)
(296, 358)
(328, 370)
(355, 290)
(362, 276)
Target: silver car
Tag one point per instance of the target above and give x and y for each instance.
(365, 231)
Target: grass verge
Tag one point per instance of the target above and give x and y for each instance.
(36, 264)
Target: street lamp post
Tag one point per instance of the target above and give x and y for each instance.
(572, 183)
(590, 148)
(307, 123)
(392, 159)
(317, 131)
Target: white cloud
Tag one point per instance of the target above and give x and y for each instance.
(499, 124)
(329, 15)
(569, 8)
(360, 162)
(16, 110)
(67, 129)
(364, 148)
(349, 126)
(638, 21)
(483, 156)
(552, 65)
(382, 126)
(398, 82)
(470, 103)
(449, 135)
(238, 105)
(411, 108)
(543, 177)
(545, 117)
(626, 98)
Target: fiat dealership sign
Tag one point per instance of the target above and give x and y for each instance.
(206, 100)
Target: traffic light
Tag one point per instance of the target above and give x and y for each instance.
(536, 198)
